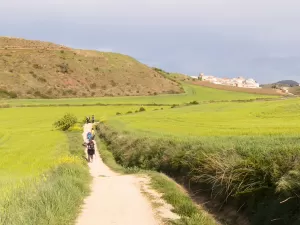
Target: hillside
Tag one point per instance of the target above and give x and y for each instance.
(288, 82)
(35, 69)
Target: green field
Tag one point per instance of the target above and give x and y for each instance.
(29, 143)
(246, 152)
(193, 93)
(226, 119)
(260, 136)
(35, 160)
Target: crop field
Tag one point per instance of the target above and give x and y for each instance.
(227, 119)
(192, 93)
(194, 137)
(32, 150)
(30, 144)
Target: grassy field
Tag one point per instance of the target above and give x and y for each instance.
(42, 175)
(227, 119)
(245, 154)
(192, 93)
(30, 145)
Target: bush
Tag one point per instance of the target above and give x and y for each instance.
(93, 85)
(194, 103)
(64, 67)
(118, 113)
(42, 79)
(142, 109)
(113, 83)
(37, 66)
(96, 69)
(129, 112)
(9, 94)
(67, 121)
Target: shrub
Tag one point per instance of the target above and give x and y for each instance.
(96, 69)
(9, 94)
(11, 70)
(67, 121)
(142, 109)
(113, 83)
(37, 66)
(42, 79)
(39, 94)
(194, 103)
(64, 67)
(118, 113)
(62, 51)
(129, 112)
(93, 85)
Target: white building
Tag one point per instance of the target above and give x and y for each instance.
(236, 82)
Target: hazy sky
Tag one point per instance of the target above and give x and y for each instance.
(227, 38)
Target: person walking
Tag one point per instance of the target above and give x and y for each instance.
(90, 150)
(93, 119)
(93, 134)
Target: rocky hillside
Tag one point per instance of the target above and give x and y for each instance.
(35, 69)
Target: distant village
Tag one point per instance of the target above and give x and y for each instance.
(236, 82)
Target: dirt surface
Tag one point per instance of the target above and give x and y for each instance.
(116, 199)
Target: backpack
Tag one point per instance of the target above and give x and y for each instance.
(89, 135)
(91, 146)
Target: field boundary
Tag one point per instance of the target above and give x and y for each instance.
(3, 105)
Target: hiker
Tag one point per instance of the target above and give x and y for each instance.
(90, 150)
(87, 120)
(93, 119)
(93, 134)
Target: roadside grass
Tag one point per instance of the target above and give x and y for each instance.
(190, 213)
(192, 93)
(54, 197)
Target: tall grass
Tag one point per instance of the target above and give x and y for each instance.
(247, 172)
(53, 198)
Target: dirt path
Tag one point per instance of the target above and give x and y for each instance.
(115, 199)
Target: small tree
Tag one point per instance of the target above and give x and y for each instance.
(67, 121)
(142, 109)
(64, 67)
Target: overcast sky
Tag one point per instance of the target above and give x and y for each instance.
(226, 38)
